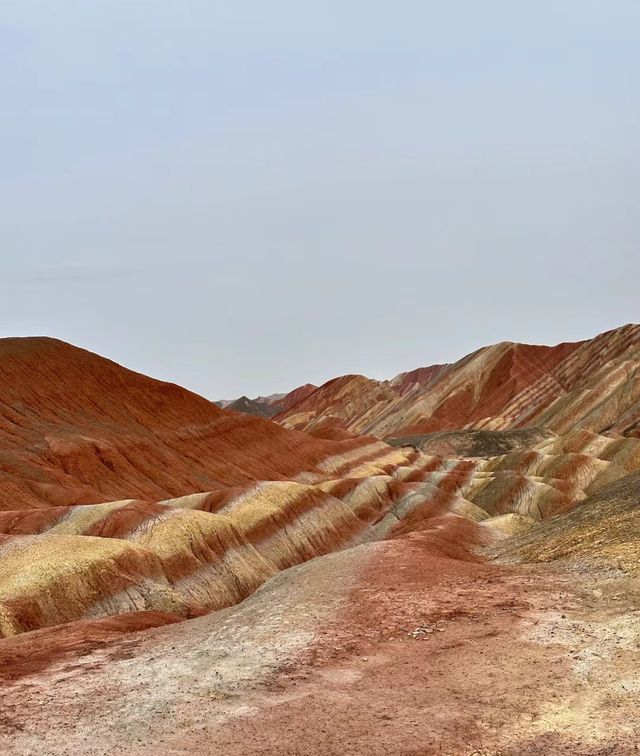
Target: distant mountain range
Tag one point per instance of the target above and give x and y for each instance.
(592, 384)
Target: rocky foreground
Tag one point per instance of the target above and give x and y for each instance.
(176, 577)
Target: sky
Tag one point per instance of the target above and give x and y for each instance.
(242, 196)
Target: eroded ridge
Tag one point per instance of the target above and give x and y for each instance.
(202, 579)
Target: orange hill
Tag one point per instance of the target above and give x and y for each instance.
(78, 428)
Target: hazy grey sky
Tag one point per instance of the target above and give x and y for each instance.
(243, 196)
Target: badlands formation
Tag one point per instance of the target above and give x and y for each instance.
(442, 563)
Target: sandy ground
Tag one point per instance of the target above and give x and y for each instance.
(406, 646)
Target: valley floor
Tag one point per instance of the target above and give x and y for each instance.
(405, 646)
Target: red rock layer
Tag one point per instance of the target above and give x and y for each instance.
(29, 653)
(197, 531)
(208, 550)
(593, 384)
(416, 379)
(335, 405)
(75, 427)
(293, 397)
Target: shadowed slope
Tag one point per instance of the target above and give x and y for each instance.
(473, 443)
(416, 379)
(285, 403)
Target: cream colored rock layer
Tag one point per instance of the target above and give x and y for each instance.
(208, 550)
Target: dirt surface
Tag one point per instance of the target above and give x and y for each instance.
(397, 647)
(473, 443)
(29, 653)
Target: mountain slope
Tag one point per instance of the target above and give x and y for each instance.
(268, 406)
(191, 507)
(131, 507)
(593, 384)
(78, 428)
